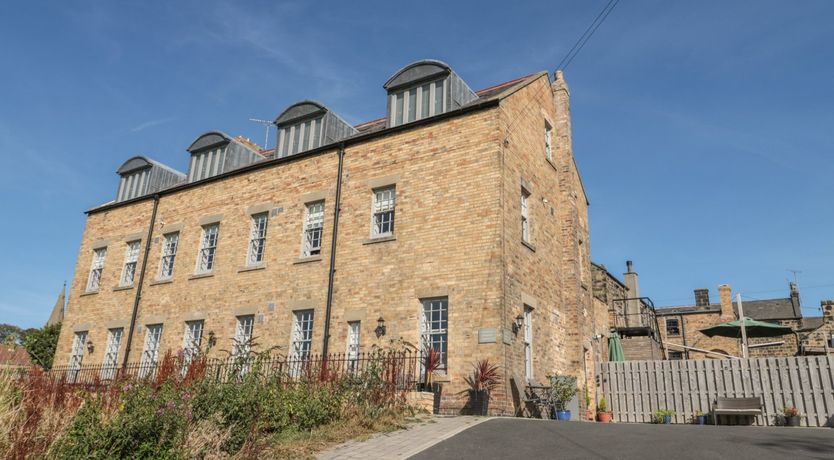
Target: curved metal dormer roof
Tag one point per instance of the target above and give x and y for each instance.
(416, 72)
(307, 125)
(207, 140)
(300, 111)
(140, 176)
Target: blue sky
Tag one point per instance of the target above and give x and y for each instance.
(704, 131)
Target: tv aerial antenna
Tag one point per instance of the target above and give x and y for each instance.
(795, 272)
(267, 124)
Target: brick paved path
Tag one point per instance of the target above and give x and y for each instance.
(402, 444)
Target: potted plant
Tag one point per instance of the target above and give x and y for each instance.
(700, 418)
(602, 410)
(484, 379)
(562, 389)
(664, 416)
(792, 417)
(431, 361)
(590, 413)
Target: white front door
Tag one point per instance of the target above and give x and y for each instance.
(528, 342)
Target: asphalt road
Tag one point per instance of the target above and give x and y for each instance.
(514, 438)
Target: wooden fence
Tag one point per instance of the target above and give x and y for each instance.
(634, 390)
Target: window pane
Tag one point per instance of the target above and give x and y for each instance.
(424, 100)
(439, 97)
(412, 105)
(398, 109)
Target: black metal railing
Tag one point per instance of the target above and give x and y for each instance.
(401, 368)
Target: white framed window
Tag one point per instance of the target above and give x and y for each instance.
(353, 344)
(419, 102)
(129, 269)
(191, 340)
(94, 280)
(257, 238)
(243, 336)
(528, 342)
(313, 225)
(548, 141)
(208, 248)
(435, 328)
(525, 216)
(79, 342)
(150, 352)
(385, 201)
(111, 354)
(169, 253)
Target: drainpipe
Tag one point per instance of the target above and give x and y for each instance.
(141, 281)
(336, 210)
(683, 334)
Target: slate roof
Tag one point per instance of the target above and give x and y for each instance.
(810, 324)
(757, 309)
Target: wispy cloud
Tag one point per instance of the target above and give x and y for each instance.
(150, 124)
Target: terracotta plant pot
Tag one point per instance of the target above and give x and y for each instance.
(604, 417)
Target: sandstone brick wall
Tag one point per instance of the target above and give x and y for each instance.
(457, 235)
(693, 323)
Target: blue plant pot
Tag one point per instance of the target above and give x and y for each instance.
(667, 419)
(701, 419)
(562, 415)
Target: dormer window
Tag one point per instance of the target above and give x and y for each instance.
(424, 89)
(142, 176)
(417, 103)
(308, 125)
(215, 153)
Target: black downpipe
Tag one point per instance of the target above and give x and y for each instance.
(336, 211)
(141, 282)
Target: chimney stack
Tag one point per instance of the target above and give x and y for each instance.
(827, 307)
(725, 293)
(797, 306)
(632, 307)
(701, 297)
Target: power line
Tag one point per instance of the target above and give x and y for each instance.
(589, 32)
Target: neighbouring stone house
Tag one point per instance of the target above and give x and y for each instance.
(459, 221)
(626, 313)
(681, 325)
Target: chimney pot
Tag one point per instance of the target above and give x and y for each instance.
(629, 264)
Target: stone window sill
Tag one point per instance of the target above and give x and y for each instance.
(122, 288)
(197, 276)
(304, 260)
(251, 268)
(528, 245)
(89, 293)
(380, 239)
(163, 281)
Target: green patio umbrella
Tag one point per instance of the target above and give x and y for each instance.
(753, 328)
(615, 348)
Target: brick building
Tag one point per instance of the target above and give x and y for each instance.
(626, 313)
(459, 220)
(681, 325)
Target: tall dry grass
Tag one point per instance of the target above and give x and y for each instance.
(35, 411)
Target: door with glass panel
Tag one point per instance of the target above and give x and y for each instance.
(302, 341)
(150, 352)
(528, 342)
(77, 356)
(353, 346)
(192, 337)
(111, 354)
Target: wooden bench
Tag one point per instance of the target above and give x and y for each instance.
(736, 406)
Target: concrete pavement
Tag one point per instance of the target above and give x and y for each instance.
(403, 443)
(510, 438)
